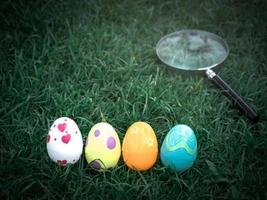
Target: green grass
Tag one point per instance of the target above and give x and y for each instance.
(80, 59)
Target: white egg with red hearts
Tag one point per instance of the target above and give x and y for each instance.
(64, 141)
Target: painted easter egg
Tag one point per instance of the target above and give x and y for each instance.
(179, 148)
(64, 141)
(140, 146)
(103, 147)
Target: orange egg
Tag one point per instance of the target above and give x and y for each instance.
(140, 146)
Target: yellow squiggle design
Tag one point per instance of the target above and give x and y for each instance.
(181, 144)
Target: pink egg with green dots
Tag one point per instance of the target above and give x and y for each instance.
(103, 147)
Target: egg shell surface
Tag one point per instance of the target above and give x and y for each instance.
(64, 141)
(179, 148)
(140, 146)
(103, 147)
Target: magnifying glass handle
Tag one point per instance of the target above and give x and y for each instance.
(230, 93)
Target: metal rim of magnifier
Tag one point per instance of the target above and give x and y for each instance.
(195, 31)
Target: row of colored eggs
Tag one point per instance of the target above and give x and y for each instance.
(103, 148)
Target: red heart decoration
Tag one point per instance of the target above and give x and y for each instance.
(62, 162)
(66, 138)
(62, 127)
(48, 138)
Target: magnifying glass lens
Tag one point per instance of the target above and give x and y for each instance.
(192, 50)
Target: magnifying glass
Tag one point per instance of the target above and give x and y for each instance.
(200, 50)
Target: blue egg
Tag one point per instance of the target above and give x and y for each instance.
(179, 148)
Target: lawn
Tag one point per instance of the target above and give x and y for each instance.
(96, 60)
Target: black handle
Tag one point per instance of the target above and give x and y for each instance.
(230, 93)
